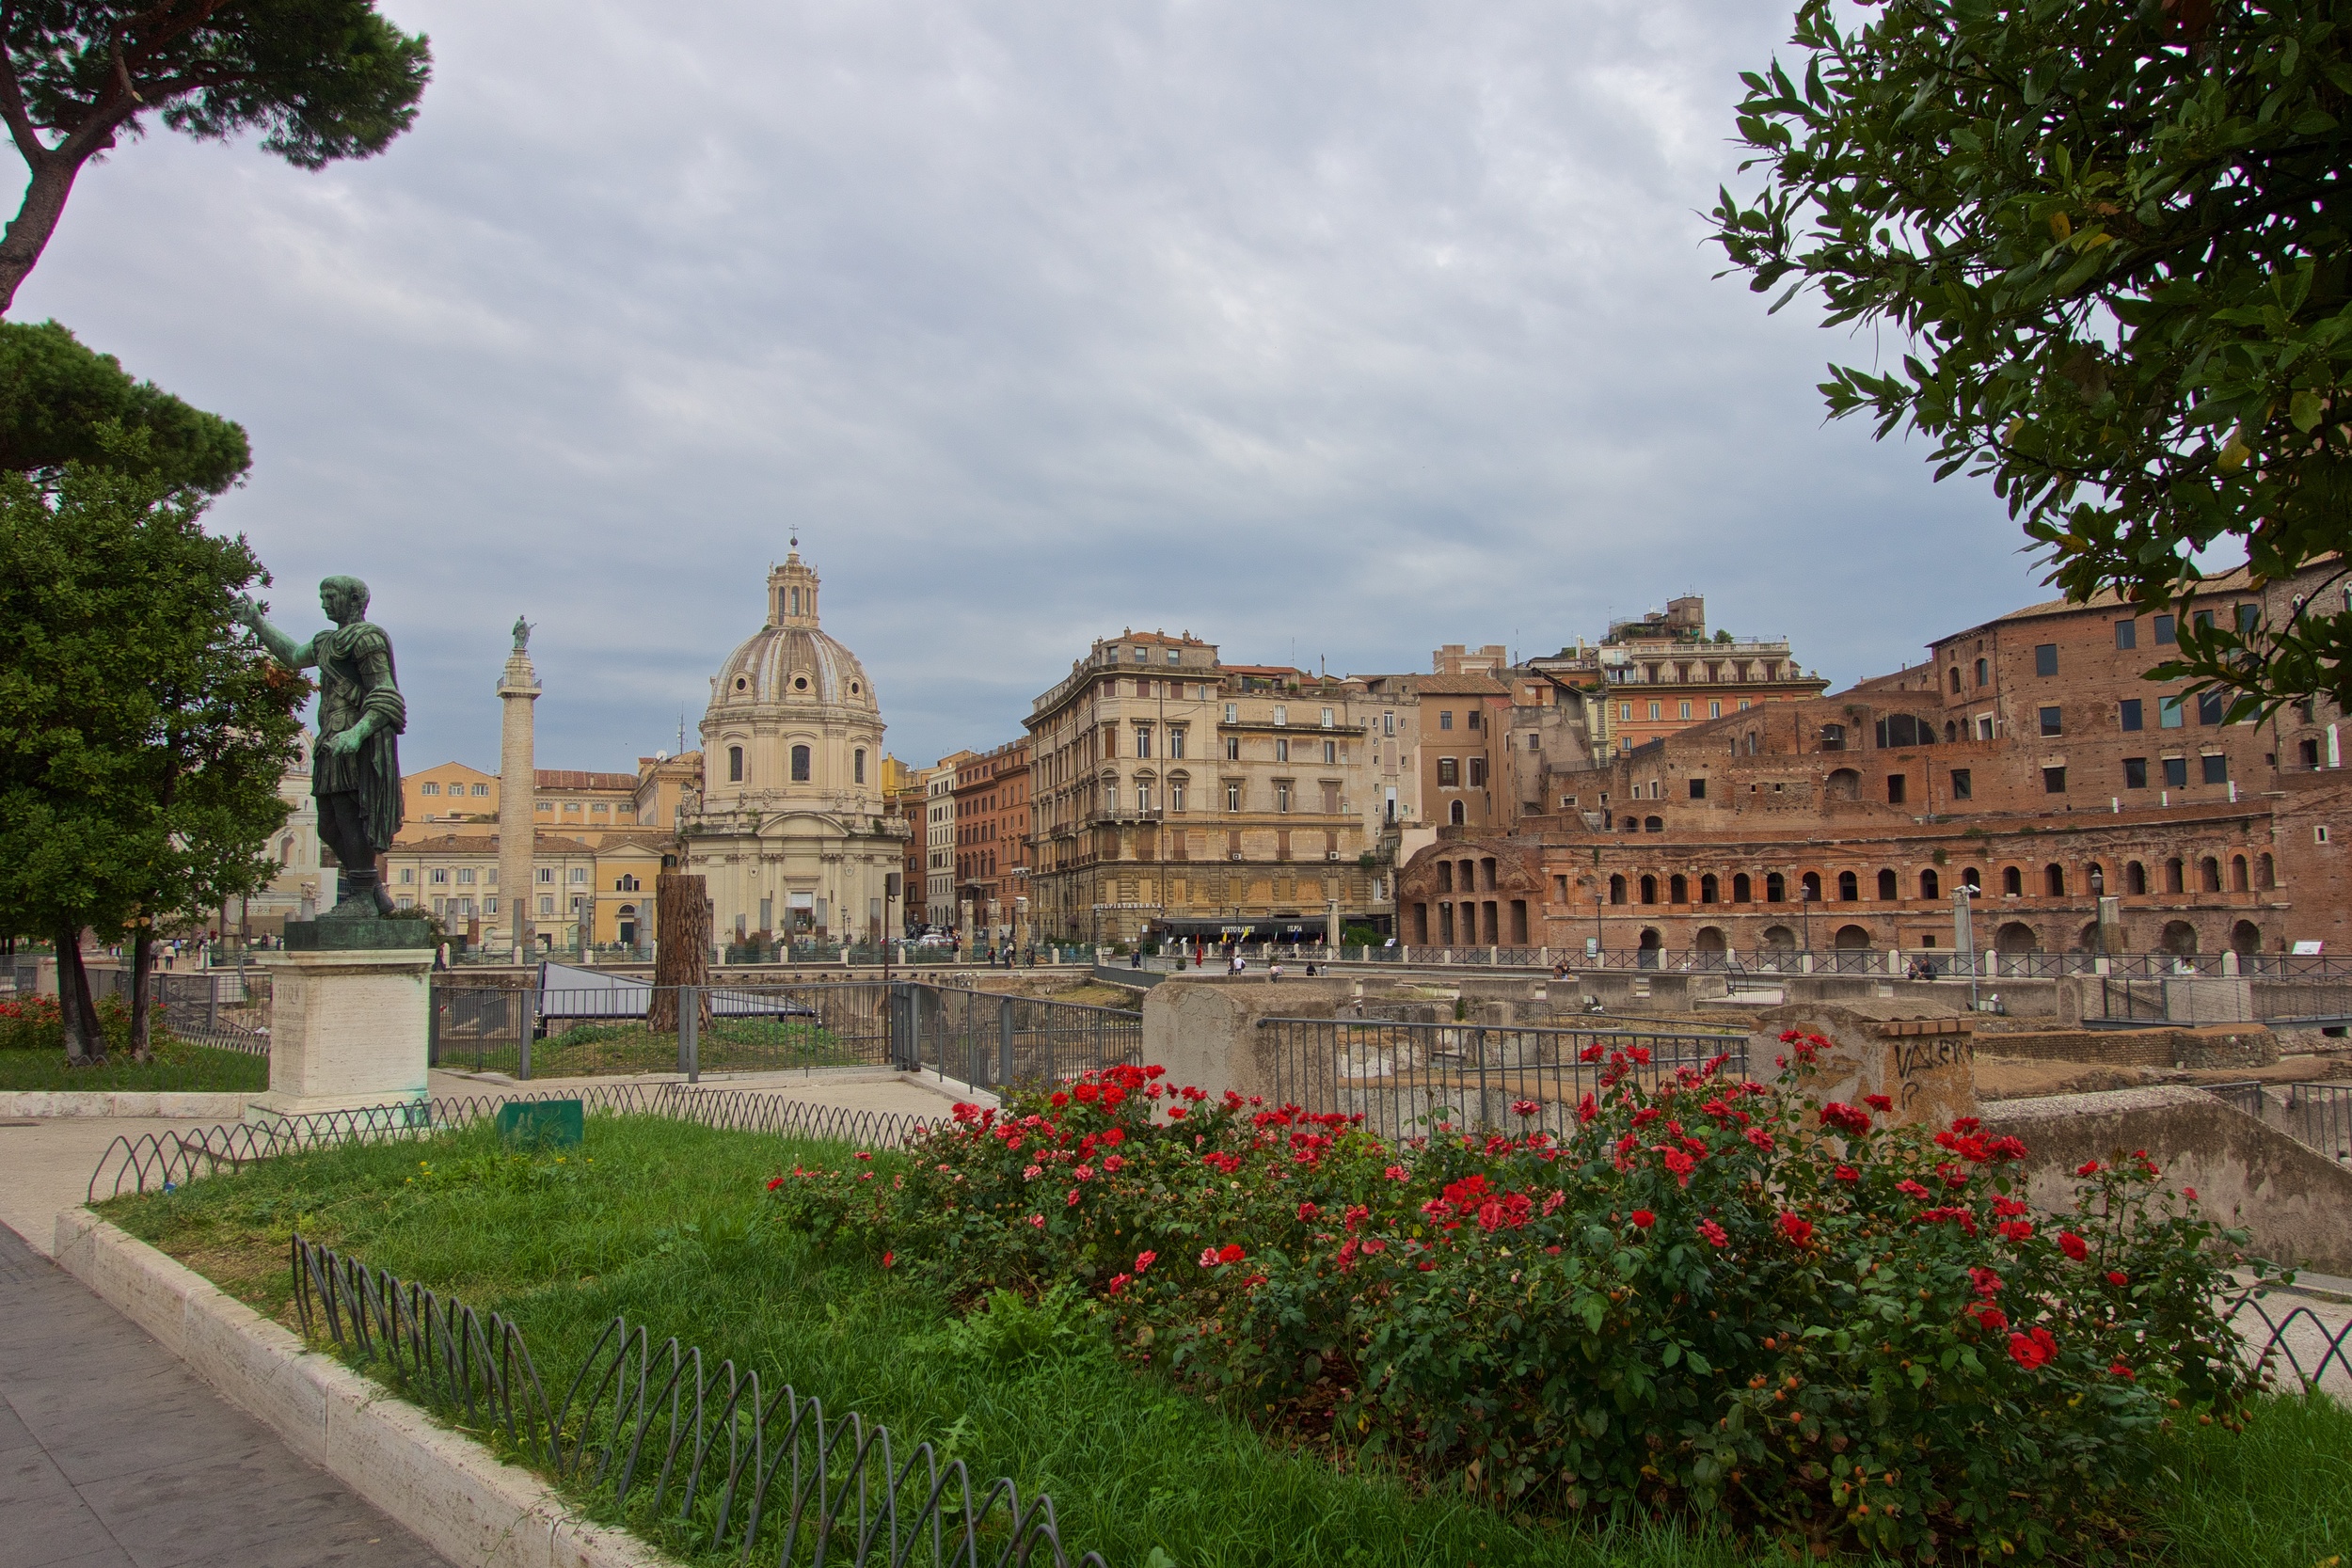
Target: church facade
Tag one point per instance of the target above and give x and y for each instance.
(787, 828)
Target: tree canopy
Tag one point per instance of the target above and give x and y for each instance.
(62, 402)
(321, 80)
(2113, 239)
(142, 736)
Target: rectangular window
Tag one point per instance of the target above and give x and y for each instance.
(2045, 658)
(1448, 774)
(2134, 772)
(1282, 750)
(1233, 713)
(2248, 617)
(1698, 789)
(1743, 705)
(1624, 712)
(1478, 772)
(1281, 713)
(1387, 723)
(2163, 631)
(1232, 795)
(1655, 709)
(2050, 721)
(547, 903)
(1143, 741)
(1961, 784)
(1715, 710)
(2216, 767)
(2129, 713)
(1176, 794)
(1984, 726)
(1232, 747)
(1477, 721)
(1327, 718)
(2203, 620)
(1331, 752)
(1686, 710)
(1281, 794)
(2176, 772)
(430, 788)
(2169, 713)
(2054, 781)
(2211, 706)
(1895, 786)
(1175, 743)
(464, 876)
(2127, 634)
(1445, 718)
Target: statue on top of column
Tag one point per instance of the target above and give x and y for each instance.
(522, 634)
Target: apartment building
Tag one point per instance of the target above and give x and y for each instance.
(1174, 795)
(992, 796)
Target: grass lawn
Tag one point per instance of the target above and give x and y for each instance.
(177, 1067)
(669, 1224)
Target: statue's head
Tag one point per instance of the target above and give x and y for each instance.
(343, 599)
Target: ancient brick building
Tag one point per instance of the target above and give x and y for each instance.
(2030, 759)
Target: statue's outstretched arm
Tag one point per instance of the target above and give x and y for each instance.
(284, 649)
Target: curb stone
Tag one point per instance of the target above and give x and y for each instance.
(465, 1505)
(57, 1103)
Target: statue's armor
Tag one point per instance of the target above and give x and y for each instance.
(357, 677)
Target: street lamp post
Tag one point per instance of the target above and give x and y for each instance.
(1805, 915)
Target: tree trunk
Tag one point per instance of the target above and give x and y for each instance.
(681, 955)
(85, 1042)
(36, 219)
(142, 959)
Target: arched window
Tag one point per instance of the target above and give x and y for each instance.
(857, 765)
(1851, 939)
(1743, 890)
(1844, 785)
(1951, 731)
(2246, 938)
(1457, 814)
(2054, 880)
(735, 765)
(2209, 873)
(1955, 680)
(2013, 880)
(800, 764)
(1810, 886)
(2178, 939)
(2238, 881)
(1650, 890)
(2265, 872)
(1677, 889)
(1653, 825)
(1931, 886)
(1974, 877)
(285, 850)
(1776, 887)
(1709, 889)
(1616, 890)
(2176, 877)
(1983, 673)
(1890, 887)
(1849, 887)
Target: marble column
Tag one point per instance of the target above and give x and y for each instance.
(518, 689)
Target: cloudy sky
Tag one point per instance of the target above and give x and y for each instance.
(1329, 331)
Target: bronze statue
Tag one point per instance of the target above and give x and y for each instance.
(354, 772)
(522, 634)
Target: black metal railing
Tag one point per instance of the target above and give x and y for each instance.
(707, 1457)
(2301, 1343)
(2320, 1115)
(158, 1161)
(1406, 1078)
(990, 1041)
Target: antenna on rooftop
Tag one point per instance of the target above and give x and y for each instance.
(681, 732)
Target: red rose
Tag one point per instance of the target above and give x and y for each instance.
(1878, 1103)
(2116, 1276)
(888, 1258)
(1230, 1253)
(1800, 1232)
(2074, 1246)
(1713, 1233)
(2030, 1350)
(1644, 1219)
(1847, 1173)
(775, 1181)
(2089, 1168)
(1145, 1259)
(1991, 1317)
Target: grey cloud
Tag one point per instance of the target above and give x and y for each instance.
(1365, 326)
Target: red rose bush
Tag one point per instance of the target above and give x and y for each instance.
(1711, 1296)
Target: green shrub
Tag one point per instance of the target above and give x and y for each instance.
(1709, 1297)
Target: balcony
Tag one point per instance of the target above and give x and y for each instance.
(1126, 816)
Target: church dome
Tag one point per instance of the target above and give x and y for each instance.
(791, 660)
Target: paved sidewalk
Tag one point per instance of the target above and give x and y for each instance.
(114, 1455)
(45, 1166)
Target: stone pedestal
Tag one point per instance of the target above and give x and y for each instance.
(347, 1026)
(1922, 1058)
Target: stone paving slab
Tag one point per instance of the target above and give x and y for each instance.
(113, 1453)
